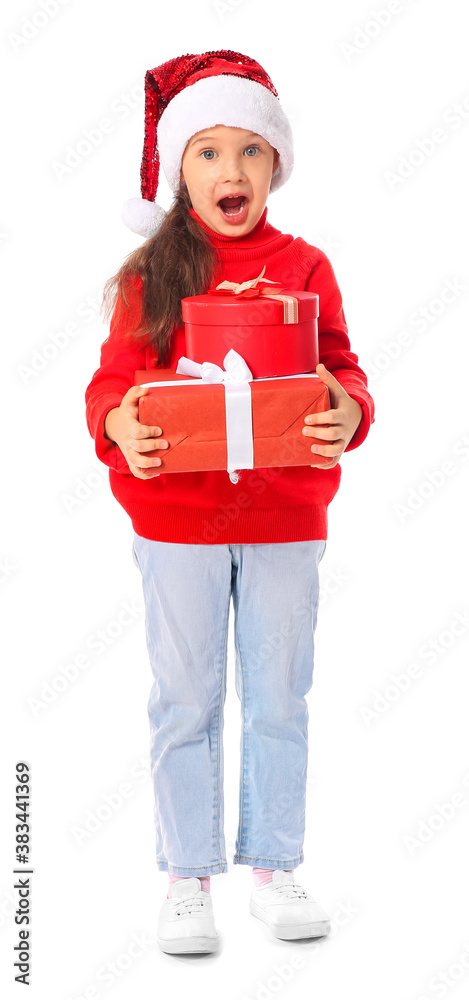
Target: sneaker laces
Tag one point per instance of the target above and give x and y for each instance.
(290, 891)
(187, 904)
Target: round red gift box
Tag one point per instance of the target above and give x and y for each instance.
(256, 329)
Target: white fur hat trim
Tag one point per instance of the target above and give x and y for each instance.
(223, 100)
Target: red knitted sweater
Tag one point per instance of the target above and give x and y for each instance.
(266, 505)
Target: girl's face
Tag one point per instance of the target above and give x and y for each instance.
(228, 172)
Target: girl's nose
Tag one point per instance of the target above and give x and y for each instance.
(232, 169)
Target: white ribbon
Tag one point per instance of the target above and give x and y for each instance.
(236, 377)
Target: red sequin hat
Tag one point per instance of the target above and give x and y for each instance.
(193, 92)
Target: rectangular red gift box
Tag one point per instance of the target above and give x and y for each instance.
(274, 329)
(193, 420)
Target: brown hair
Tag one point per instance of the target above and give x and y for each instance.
(178, 260)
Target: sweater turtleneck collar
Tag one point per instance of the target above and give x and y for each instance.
(261, 234)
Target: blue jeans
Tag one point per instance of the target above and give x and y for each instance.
(187, 591)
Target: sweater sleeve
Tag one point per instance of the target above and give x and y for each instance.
(334, 343)
(121, 356)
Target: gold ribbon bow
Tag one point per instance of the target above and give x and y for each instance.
(250, 290)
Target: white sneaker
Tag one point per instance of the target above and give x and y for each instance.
(289, 911)
(186, 921)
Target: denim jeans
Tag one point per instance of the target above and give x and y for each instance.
(187, 591)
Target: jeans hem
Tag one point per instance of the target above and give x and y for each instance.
(272, 863)
(215, 869)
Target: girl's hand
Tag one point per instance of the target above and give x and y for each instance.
(136, 441)
(343, 421)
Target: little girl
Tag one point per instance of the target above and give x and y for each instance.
(215, 122)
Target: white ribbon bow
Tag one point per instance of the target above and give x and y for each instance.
(235, 369)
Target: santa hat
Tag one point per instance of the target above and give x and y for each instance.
(193, 92)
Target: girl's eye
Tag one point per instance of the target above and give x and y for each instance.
(211, 154)
(249, 149)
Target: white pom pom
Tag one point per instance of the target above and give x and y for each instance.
(142, 216)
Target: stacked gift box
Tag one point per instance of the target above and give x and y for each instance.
(239, 398)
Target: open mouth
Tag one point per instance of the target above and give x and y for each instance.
(233, 207)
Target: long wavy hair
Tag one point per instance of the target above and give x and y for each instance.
(178, 260)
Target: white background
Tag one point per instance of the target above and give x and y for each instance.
(383, 854)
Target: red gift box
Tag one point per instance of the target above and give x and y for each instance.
(274, 329)
(193, 419)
